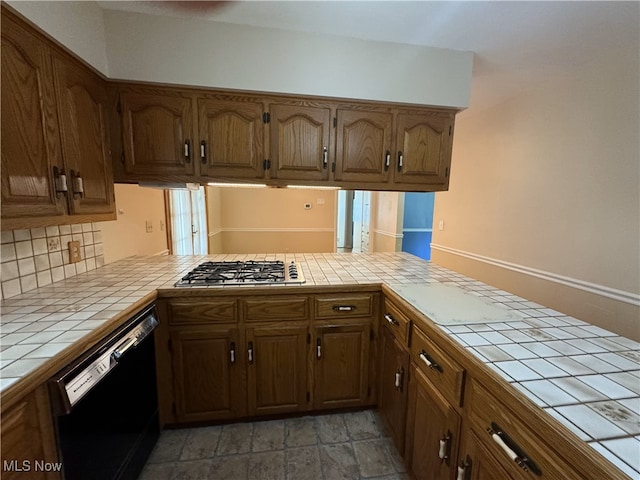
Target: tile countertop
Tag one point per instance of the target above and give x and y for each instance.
(586, 377)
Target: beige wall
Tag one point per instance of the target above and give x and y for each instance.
(547, 185)
(268, 220)
(127, 235)
(387, 211)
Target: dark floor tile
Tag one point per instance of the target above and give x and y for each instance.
(373, 458)
(235, 438)
(331, 429)
(194, 470)
(157, 471)
(268, 436)
(303, 463)
(169, 446)
(300, 432)
(201, 443)
(363, 425)
(267, 465)
(231, 467)
(338, 462)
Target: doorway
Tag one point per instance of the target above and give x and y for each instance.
(188, 222)
(353, 221)
(417, 224)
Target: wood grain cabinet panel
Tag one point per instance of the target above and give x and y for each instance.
(341, 365)
(423, 144)
(434, 428)
(30, 131)
(394, 383)
(211, 311)
(260, 309)
(343, 306)
(480, 464)
(300, 142)
(208, 374)
(82, 103)
(363, 146)
(277, 369)
(157, 130)
(28, 436)
(397, 323)
(233, 136)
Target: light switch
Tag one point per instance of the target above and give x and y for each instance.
(74, 252)
(320, 201)
(441, 225)
(149, 226)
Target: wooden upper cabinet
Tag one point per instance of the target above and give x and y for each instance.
(300, 142)
(423, 148)
(363, 146)
(30, 134)
(231, 138)
(157, 130)
(82, 103)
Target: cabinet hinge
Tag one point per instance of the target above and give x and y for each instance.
(266, 117)
(335, 122)
(308, 339)
(266, 164)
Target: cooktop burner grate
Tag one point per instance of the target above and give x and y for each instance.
(243, 273)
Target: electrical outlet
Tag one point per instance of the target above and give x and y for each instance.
(320, 201)
(149, 226)
(53, 244)
(441, 225)
(74, 252)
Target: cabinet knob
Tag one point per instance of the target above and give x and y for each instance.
(389, 318)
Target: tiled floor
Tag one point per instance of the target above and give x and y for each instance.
(350, 446)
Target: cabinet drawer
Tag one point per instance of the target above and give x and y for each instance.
(343, 306)
(493, 422)
(396, 322)
(276, 308)
(443, 371)
(215, 311)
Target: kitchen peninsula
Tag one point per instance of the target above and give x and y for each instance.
(574, 385)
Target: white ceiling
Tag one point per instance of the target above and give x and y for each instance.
(514, 42)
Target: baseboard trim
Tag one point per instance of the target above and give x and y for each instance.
(615, 294)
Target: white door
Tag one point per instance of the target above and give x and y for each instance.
(188, 222)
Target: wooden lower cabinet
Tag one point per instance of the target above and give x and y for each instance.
(480, 464)
(342, 365)
(277, 369)
(433, 428)
(28, 437)
(393, 389)
(208, 374)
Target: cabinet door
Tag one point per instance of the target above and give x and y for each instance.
(233, 136)
(28, 436)
(341, 366)
(30, 133)
(82, 103)
(208, 374)
(480, 463)
(394, 375)
(157, 131)
(277, 371)
(300, 142)
(432, 431)
(423, 144)
(363, 146)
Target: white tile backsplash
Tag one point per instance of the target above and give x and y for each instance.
(37, 257)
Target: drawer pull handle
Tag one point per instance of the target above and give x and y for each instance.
(318, 348)
(187, 151)
(430, 362)
(344, 308)
(232, 352)
(512, 450)
(398, 379)
(324, 157)
(445, 444)
(391, 320)
(250, 353)
(462, 469)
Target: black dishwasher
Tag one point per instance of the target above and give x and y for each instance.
(106, 405)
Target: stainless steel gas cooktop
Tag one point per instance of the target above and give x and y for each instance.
(252, 272)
